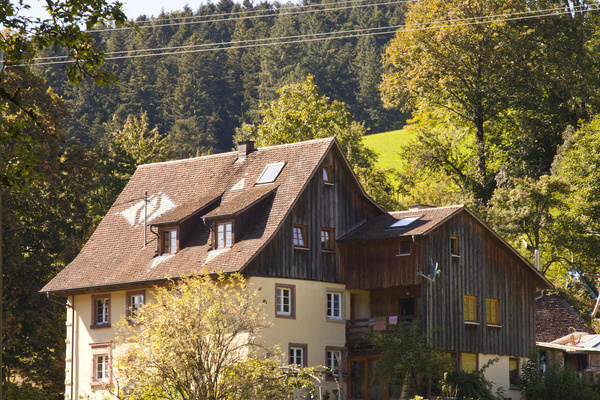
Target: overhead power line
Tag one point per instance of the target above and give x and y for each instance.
(252, 14)
(314, 37)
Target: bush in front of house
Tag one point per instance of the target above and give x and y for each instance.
(556, 383)
(465, 385)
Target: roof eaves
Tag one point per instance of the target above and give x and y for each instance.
(459, 208)
(190, 215)
(248, 206)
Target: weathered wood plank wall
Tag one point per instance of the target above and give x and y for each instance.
(486, 269)
(339, 206)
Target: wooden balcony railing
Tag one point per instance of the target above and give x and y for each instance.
(357, 329)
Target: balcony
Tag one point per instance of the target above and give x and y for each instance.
(357, 329)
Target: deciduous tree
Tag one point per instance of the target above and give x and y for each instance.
(199, 340)
(462, 56)
(302, 113)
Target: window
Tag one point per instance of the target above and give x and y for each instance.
(454, 246)
(224, 234)
(270, 173)
(327, 239)
(170, 241)
(284, 301)
(300, 236)
(101, 311)
(492, 311)
(333, 360)
(101, 373)
(404, 222)
(470, 308)
(334, 305)
(513, 372)
(101, 363)
(298, 354)
(468, 362)
(404, 248)
(134, 302)
(327, 177)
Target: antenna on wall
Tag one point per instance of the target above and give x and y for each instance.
(434, 271)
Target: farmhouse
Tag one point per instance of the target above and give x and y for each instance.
(329, 261)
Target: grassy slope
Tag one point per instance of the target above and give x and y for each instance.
(387, 145)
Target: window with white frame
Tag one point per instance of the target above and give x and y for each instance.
(102, 368)
(297, 354)
(101, 311)
(135, 300)
(101, 363)
(333, 360)
(334, 305)
(224, 234)
(284, 301)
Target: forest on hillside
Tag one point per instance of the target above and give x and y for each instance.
(502, 99)
(198, 98)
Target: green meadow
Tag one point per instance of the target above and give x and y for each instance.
(388, 145)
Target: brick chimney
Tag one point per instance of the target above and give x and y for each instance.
(244, 148)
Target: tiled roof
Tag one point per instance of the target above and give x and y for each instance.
(242, 200)
(115, 253)
(379, 226)
(179, 213)
(555, 318)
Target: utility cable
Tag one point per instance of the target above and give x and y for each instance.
(325, 36)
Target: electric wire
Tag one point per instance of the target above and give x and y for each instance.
(313, 37)
(266, 14)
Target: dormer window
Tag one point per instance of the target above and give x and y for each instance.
(327, 174)
(170, 241)
(224, 234)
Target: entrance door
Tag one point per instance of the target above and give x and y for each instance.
(363, 383)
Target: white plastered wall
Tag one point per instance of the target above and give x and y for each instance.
(497, 373)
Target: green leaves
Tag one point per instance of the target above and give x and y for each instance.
(301, 113)
(198, 340)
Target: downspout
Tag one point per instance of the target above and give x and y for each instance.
(211, 232)
(72, 307)
(421, 281)
(157, 240)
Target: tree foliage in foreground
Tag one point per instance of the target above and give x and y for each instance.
(555, 383)
(302, 113)
(199, 340)
(407, 356)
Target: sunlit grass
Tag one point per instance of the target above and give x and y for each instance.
(388, 145)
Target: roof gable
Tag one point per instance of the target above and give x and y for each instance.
(115, 254)
(430, 218)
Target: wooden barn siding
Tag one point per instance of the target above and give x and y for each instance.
(374, 264)
(386, 302)
(484, 269)
(337, 206)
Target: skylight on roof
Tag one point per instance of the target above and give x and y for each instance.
(404, 222)
(270, 173)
